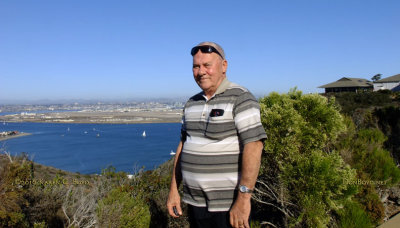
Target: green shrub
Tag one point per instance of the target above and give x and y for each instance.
(120, 209)
(299, 123)
(353, 216)
(368, 156)
(318, 184)
(40, 225)
(370, 201)
(381, 167)
(375, 167)
(110, 172)
(12, 199)
(389, 123)
(371, 136)
(298, 160)
(350, 101)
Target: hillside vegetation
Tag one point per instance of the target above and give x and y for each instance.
(321, 168)
(327, 162)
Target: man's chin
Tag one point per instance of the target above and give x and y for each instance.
(203, 86)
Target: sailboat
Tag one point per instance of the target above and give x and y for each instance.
(172, 153)
(144, 134)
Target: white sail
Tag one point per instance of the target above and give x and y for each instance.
(144, 134)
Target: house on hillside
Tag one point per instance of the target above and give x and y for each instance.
(348, 85)
(390, 83)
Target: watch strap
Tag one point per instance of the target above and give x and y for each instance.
(245, 189)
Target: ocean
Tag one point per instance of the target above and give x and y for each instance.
(89, 148)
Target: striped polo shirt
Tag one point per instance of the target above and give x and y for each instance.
(215, 131)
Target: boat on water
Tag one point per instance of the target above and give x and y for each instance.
(98, 135)
(144, 134)
(172, 153)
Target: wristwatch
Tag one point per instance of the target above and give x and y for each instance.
(245, 189)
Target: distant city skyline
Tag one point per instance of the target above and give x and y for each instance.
(127, 50)
(49, 102)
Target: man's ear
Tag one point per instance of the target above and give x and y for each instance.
(224, 65)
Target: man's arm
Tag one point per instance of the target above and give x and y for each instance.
(251, 158)
(174, 200)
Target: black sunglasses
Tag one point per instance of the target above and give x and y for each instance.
(205, 49)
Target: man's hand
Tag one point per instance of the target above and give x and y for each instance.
(240, 211)
(174, 200)
(174, 204)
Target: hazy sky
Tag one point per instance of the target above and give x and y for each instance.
(93, 49)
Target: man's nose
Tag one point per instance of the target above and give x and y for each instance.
(202, 70)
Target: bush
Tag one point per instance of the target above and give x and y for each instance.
(299, 123)
(303, 178)
(375, 167)
(12, 201)
(318, 184)
(368, 156)
(350, 101)
(370, 201)
(381, 167)
(353, 216)
(389, 123)
(120, 209)
(39, 225)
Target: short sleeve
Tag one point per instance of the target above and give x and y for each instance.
(247, 119)
(183, 128)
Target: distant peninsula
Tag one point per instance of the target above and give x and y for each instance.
(12, 134)
(98, 117)
(157, 111)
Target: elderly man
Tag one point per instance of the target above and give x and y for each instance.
(219, 154)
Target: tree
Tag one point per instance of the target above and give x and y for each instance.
(376, 77)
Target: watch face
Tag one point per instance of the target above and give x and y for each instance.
(243, 188)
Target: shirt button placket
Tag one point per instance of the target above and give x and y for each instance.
(203, 117)
(205, 109)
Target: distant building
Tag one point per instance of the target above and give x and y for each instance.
(390, 83)
(348, 85)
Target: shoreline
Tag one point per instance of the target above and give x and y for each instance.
(93, 122)
(97, 117)
(14, 136)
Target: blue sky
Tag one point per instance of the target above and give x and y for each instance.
(94, 49)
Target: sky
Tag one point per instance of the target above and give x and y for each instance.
(96, 49)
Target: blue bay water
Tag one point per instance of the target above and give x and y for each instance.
(88, 148)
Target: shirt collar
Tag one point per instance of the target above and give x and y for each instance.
(221, 88)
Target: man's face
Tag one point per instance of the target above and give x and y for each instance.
(208, 71)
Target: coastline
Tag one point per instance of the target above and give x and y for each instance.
(97, 117)
(14, 136)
